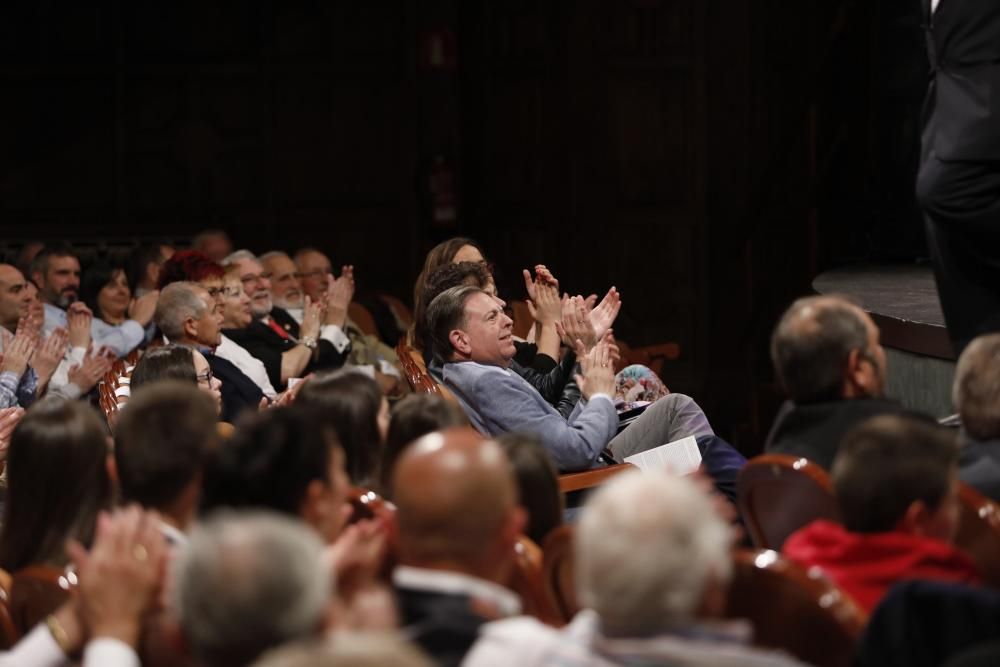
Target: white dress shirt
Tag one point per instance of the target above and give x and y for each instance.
(39, 649)
(119, 338)
(456, 583)
(251, 366)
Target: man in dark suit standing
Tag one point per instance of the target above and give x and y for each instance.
(959, 181)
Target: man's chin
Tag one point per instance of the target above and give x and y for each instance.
(65, 299)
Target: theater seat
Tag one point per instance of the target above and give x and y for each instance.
(778, 494)
(416, 373)
(588, 479)
(557, 568)
(527, 580)
(800, 612)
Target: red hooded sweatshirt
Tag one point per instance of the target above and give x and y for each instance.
(867, 565)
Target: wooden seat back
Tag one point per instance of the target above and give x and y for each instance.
(791, 609)
(979, 532)
(8, 631)
(558, 573)
(400, 311)
(527, 580)
(415, 371)
(778, 494)
(588, 479)
(35, 592)
(362, 317)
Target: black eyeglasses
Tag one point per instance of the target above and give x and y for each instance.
(204, 378)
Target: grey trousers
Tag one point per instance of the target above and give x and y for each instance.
(673, 417)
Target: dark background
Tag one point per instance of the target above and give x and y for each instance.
(708, 157)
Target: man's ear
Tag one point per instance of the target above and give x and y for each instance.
(190, 328)
(153, 272)
(854, 379)
(38, 278)
(460, 342)
(312, 509)
(914, 519)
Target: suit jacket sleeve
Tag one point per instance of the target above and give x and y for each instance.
(504, 402)
(261, 349)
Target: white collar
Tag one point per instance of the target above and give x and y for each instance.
(442, 581)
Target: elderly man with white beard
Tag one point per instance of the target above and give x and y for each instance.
(286, 348)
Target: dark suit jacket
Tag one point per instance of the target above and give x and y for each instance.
(815, 430)
(265, 344)
(238, 391)
(979, 466)
(962, 110)
(444, 626)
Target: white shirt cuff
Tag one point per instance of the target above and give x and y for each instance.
(606, 397)
(335, 335)
(107, 652)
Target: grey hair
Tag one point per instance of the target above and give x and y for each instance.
(177, 302)
(647, 546)
(355, 649)
(976, 390)
(445, 314)
(272, 254)
(248, 582)
(238, 256)
(811, 345)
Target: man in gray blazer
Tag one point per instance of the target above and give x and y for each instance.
(472, 336)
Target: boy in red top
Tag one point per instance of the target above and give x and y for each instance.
(896, 481)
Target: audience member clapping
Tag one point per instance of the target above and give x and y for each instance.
(120, 581)
(188, 315)
(57, 482)
(176, 362)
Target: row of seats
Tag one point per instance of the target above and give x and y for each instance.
(767, 483)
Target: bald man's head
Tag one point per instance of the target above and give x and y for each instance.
(15, 297)
(827, 348)
(456, 500)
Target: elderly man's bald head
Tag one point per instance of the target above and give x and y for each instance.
(826, 348)
(456, 499)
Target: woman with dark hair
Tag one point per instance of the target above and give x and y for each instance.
(281, 460)
(458, 249)
(57, 482)
(105, 290)
(537, 483)
(413, 417)
(353, 404)
(176, 362)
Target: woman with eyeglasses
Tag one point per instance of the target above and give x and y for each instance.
(176, 362)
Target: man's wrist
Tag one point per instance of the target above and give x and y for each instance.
(124, 630)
